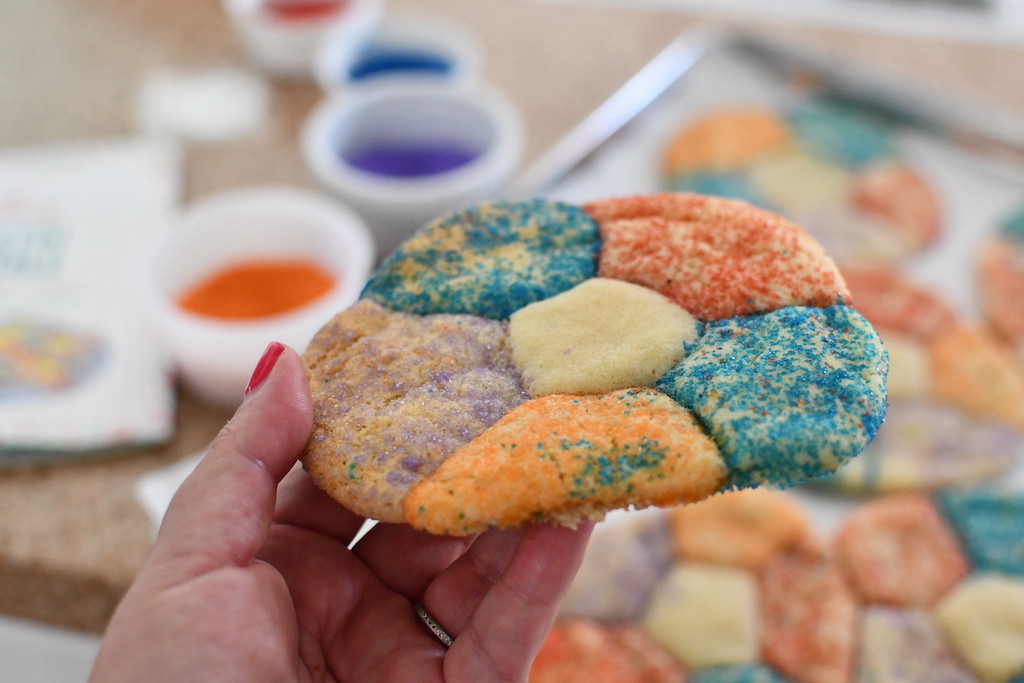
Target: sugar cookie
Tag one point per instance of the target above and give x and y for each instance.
(537, 361)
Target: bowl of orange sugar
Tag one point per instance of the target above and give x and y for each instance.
(247, 267)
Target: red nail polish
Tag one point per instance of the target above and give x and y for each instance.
(264, 366)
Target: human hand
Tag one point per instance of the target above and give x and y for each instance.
(252, 580)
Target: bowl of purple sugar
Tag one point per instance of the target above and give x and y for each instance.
(402, 154)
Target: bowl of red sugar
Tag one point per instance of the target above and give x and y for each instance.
(281, 37)
(247, 267)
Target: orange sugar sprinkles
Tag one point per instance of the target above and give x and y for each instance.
(257, 289)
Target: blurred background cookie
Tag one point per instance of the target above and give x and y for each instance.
(1001, 282)
(826, 163)
(912, 588)
(956, 400)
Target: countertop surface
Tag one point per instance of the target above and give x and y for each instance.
(72, 536)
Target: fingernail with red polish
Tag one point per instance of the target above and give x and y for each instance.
(264, 366)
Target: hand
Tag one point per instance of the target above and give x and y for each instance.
(250, 580)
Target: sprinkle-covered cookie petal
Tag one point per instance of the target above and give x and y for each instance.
(896, 193)
(728, 184)
(928, 445)
(652, 663)
(725, 139)
(989, 524)
(972, 372)
(624, 558)
(907, 646)
(1001, 279)
(747, 673)
(570, 455)
(840, 130)
(584, 650)
(489, 260)
(789, 395)
(900, 552)
(892, 302)
(394, 394)
(809, 619)
(739, 528)
(716, 258)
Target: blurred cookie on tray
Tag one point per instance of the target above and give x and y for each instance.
(956, 399)
(1001, 281)
(828, 164)
(912, 587)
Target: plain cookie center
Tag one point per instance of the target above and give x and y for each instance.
(599, 336)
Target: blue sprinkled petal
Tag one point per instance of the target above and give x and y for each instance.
(988, 524)
(729, 184)
(1012, 228)
(489, 260)
(789, 395)
(744, 673)
(841, 131)
(602, 469)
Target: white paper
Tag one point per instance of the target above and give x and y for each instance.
(83, 370)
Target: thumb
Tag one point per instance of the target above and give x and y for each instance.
(221, 514)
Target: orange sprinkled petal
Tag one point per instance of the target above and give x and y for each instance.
(739, 528)
(900, 551)
(725, 139)
(888, 300)
(726, 258)
(971, 371)
(896, 193)
(563, 456)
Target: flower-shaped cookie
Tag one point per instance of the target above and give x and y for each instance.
(522, 361)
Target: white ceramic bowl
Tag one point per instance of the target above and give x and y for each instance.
(422, 37)
(287, 47)
(411, 114)
(215, 357)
